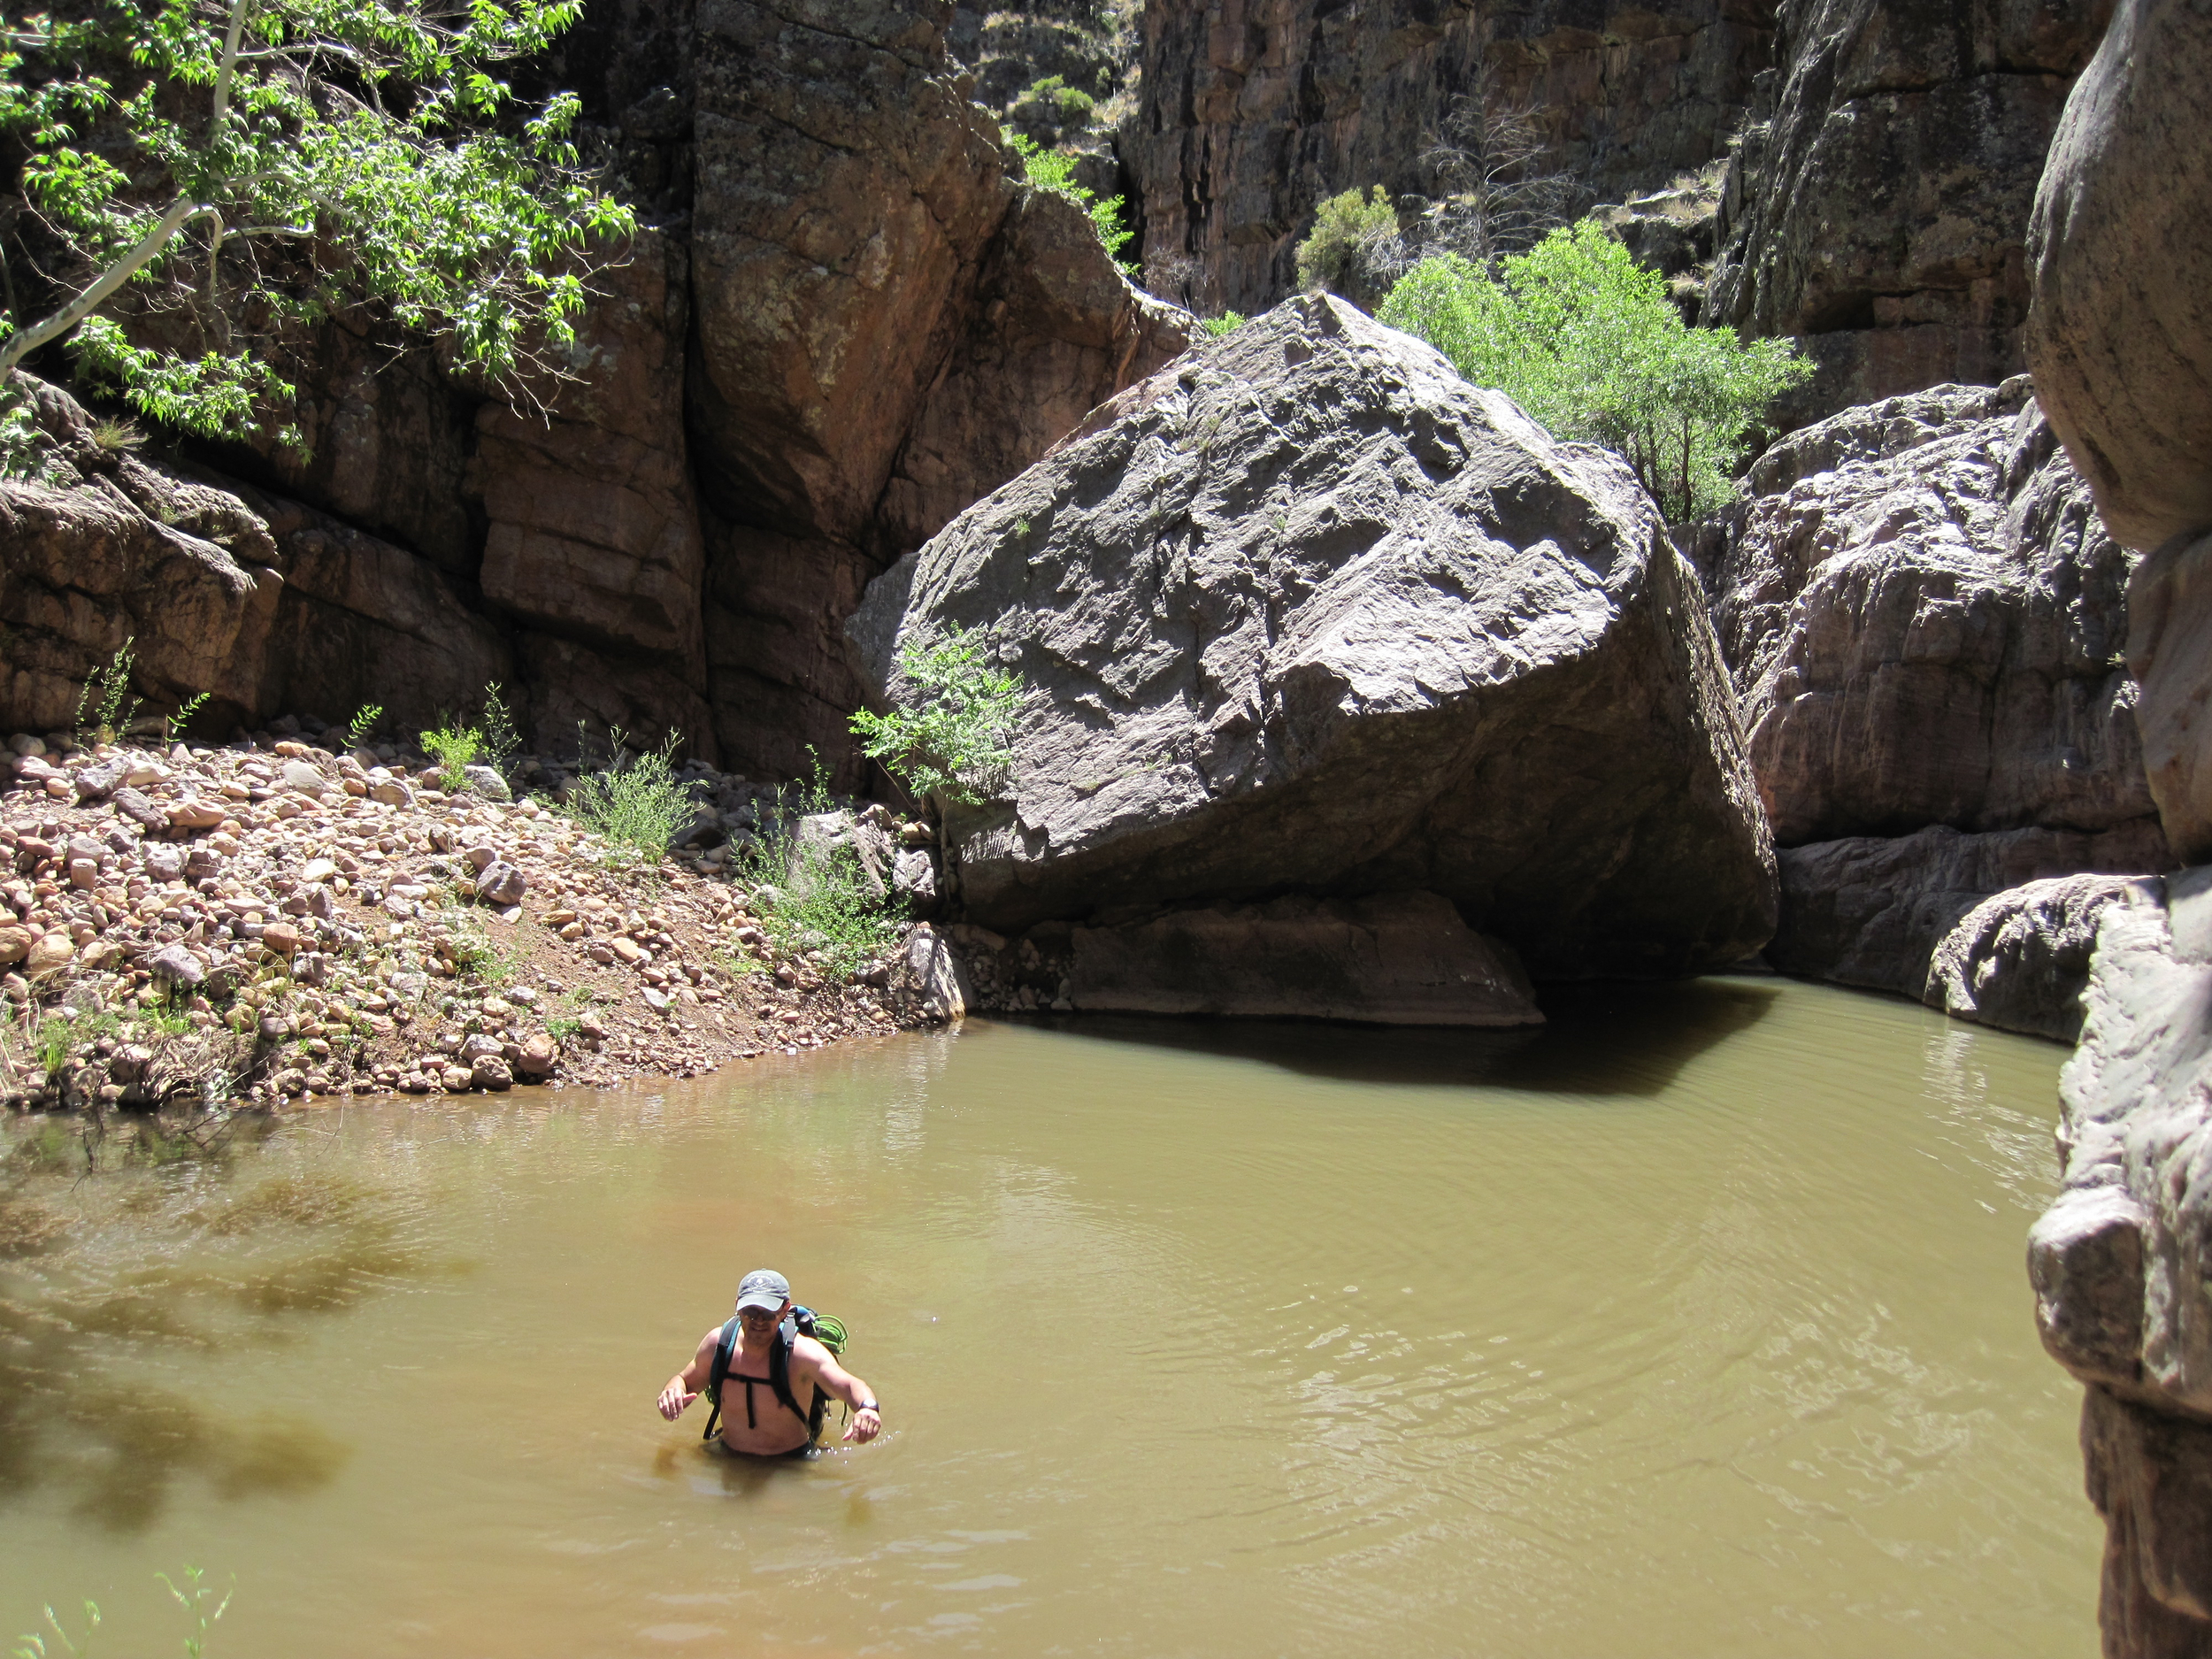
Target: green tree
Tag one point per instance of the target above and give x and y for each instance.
(1054, 170)
(213, 174)
(1354, 248)
(1588, 343)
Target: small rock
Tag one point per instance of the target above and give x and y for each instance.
(392, 792)
(140, 811)
(163, 862)
(97, 783)
(628, 948)
(479, 857)
(178, 965)
(540, 1054)
(654, 1000)
(15, 944)
(478, 1048)
(319, 870)
(487, 782)
(195, 815)
(456, 1078)
(502, 883)
(282, 938)
(49, 955)
(491, 1072)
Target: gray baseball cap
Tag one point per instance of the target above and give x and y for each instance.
(764, 1288)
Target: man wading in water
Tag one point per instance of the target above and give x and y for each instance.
(758, 1416)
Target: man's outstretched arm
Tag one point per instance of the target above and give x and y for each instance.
(840, 1384)
(684, 1387)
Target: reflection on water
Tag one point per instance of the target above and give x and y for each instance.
(1194, 1338)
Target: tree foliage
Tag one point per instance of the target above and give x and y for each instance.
(200, 176)
(1354, 249)
(1587, 342)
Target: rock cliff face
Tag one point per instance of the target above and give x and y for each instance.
(1924, 620)
(1251, 112)
(1307, 613)
(850, 324)
(1880, 156)
(2123, 333)
(1878, 209)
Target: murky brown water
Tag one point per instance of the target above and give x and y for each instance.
(1695, 1325)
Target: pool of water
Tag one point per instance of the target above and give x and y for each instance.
(1694, 1324)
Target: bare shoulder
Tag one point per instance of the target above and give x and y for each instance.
(809, 1353)
(708, 1343)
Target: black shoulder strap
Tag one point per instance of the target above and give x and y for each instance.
(779, 1381)
(725, 1346)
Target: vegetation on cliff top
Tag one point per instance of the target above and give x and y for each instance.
(1587, 342)
(199, 179)
(1054, 170)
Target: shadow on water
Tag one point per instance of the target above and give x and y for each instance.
(1608, 1039)
(90, 1401)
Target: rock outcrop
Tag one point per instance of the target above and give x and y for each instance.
(1249, 113)
(1307, 613)
(2021, 960)
(1925, 619)
(1877, 210)
(1870, 910)
(2119, 1261)
(850, 323)
(2121, 334)
(2121, 337)
(253, 598)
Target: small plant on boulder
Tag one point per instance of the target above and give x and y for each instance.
(953, 736)
(454, 748)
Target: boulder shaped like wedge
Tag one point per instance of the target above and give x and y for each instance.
(1307, 612)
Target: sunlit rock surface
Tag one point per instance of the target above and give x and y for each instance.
(1307, 612)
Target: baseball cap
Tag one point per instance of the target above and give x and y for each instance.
(764, 1288)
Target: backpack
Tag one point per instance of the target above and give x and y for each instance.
(827, 1329)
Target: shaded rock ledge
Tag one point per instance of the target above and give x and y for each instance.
(1306, 613)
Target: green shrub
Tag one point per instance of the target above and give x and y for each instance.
(1228, 322)
(454, 748)
(825, 910)
(1354, 249)
(501, 743)
(1054, 170)
(953, 737)
(635, 807)
(1072, 104)
(1588, 343)
(172, 725)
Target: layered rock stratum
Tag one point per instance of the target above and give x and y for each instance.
(1307, 613)
(1925, 620)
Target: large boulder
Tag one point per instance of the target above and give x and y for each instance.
(2121, 1260)
(1308, 612)
(2120, 251)
(1391, 959)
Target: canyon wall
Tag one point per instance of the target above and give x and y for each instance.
(847, 323)
(2121, 337)
(1856, 173)
(1251, 112)
(1925, 621)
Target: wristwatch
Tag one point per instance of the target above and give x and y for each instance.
(869, 1405)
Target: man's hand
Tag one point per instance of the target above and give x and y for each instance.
(674, 1398)
(867, 1424)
